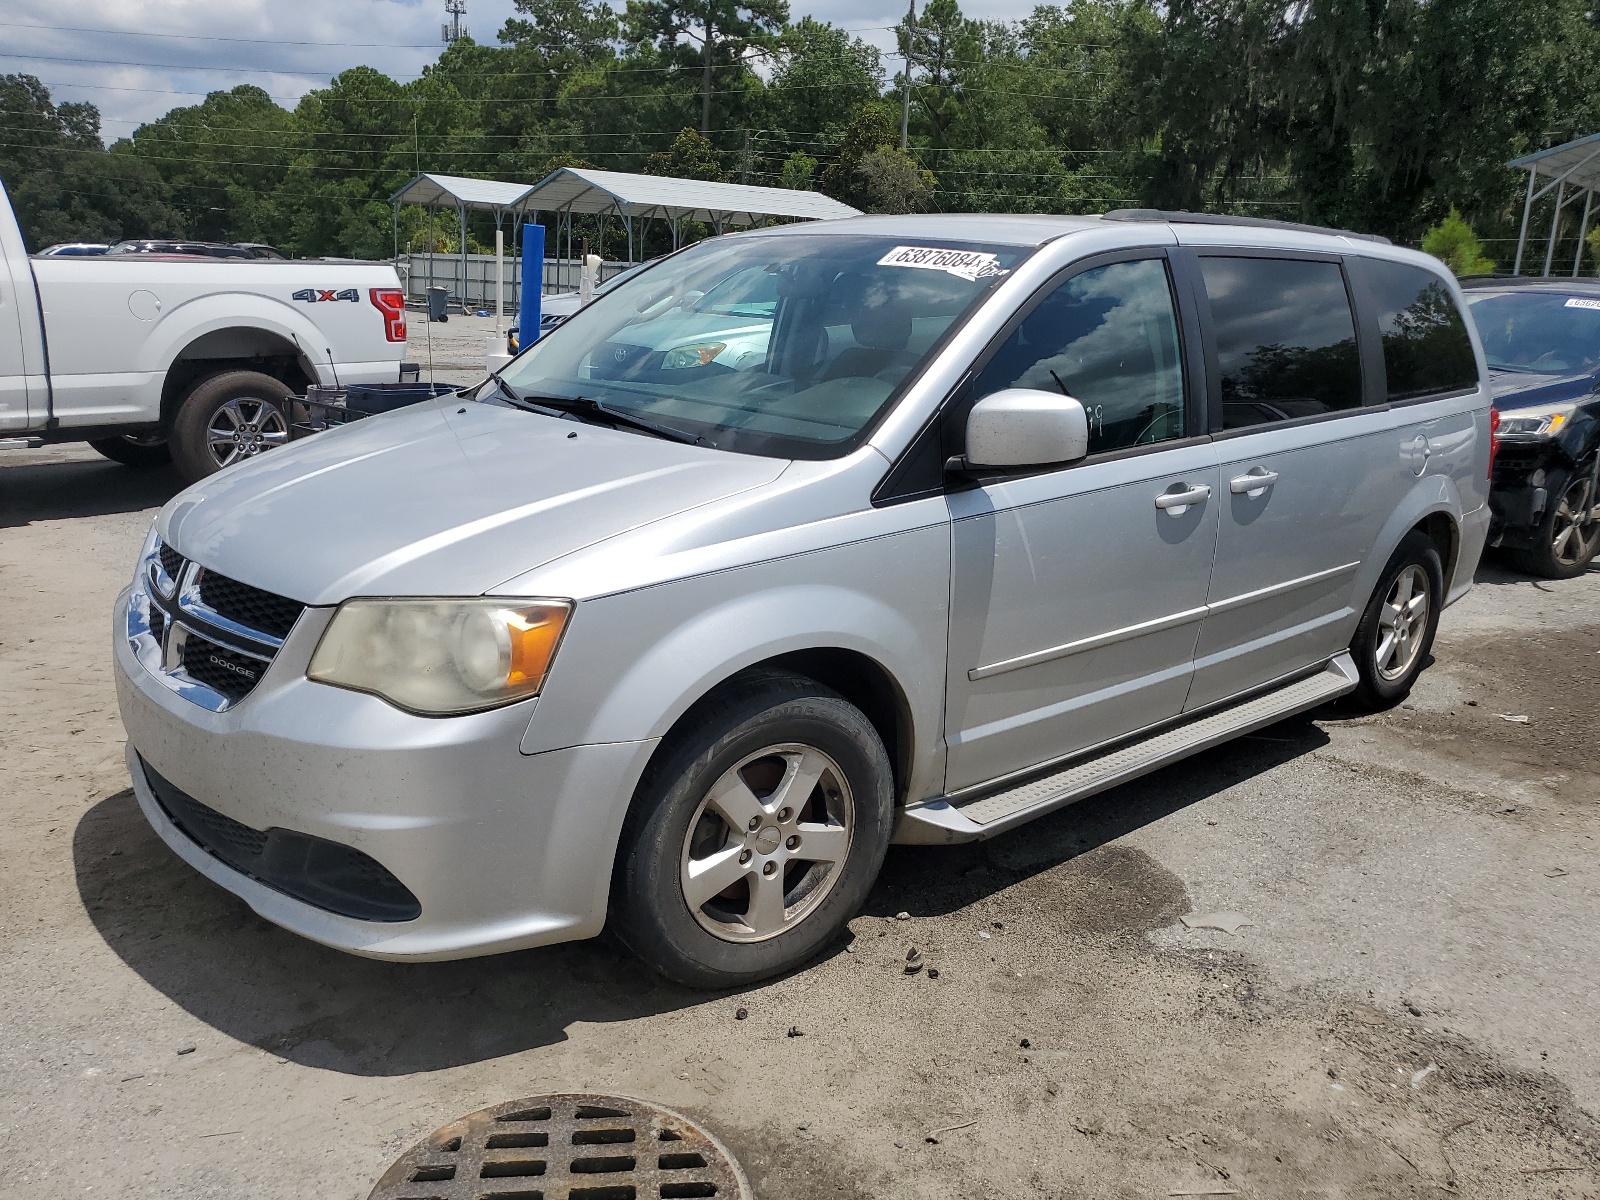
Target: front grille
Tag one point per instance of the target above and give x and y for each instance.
(249, 606)
(327, 875)
(222, 670)
(171, 560)
(158, 623)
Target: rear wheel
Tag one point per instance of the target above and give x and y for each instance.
(228, 418)
(1396, 631)
(1568, 536)
(757, 836)
(135, 449)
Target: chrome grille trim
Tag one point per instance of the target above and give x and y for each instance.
(167, 617)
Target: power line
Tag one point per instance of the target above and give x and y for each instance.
(209, 37)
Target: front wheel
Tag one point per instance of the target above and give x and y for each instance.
(1396, 631)
(135, 449)
(1568, 535)
(228, 418)
(756, 837)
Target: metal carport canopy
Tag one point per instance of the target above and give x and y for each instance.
(580, 190)
(1570, 167)
(439, 191)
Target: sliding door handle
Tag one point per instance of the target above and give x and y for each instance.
(1258, 479)
(1182, 500)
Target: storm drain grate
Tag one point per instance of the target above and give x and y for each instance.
(566, 1147)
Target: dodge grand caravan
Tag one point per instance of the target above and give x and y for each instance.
(1002, 511)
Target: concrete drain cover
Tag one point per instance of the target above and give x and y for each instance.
(566, 1147)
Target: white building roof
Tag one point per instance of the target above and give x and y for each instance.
(454, 191)
(572, 189)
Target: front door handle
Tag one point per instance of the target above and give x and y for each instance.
(1176, 502)
(1258, 479)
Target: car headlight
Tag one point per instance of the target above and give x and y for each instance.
(441, 657)
(1535, 422)
(697, 355)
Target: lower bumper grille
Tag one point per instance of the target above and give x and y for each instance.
(333, 877)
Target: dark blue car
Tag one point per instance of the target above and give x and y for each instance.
(1542, 339)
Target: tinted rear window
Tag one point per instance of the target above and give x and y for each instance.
(1426, 349)
(1285, 338)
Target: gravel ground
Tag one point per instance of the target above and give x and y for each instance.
(1411, 1013)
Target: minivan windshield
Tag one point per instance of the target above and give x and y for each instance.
(788, 345)
(1546, 332)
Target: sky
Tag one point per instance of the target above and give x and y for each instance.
(136, 59)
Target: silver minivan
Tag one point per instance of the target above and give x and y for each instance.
(801, 542)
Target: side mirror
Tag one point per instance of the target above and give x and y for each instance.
(1024, 427)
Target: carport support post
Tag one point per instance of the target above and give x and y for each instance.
(499, 272)
(1527, 211)
(1583, 231)
(1555, 225)
(532, 281)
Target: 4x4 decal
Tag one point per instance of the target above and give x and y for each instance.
(313, 295)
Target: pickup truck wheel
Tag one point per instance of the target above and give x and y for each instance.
(135, 449)
(757, 835)
(1396, 631)
(1568, 535)
(228, 418)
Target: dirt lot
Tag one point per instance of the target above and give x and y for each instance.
(1412, 1013)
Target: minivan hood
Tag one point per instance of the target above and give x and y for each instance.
(449, 497)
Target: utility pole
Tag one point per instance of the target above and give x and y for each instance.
(705, 108)
(453, 30)
(905, 92)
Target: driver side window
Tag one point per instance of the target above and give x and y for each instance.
(1109, 338)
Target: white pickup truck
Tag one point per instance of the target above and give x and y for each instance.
(147, 357)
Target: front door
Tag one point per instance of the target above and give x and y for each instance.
(1077, 593)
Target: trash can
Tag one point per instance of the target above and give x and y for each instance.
(438, 297)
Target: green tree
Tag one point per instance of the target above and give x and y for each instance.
(63, 185)
(690, 156)
(1453, 243)
(871, 173)
(730, 32)
(798, 173)
(823, 75)
(564, 33)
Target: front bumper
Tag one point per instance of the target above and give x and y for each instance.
(502, 850)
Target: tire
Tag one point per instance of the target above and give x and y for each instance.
(228, 418)
(740, 755)
(1389, 665)
(135, 449)
(1564, 543)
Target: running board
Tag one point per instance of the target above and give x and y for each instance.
(938, 821)
(21, 443)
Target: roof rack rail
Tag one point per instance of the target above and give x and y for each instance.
(1193, 218)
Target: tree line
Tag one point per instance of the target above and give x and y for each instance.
(1380, 116)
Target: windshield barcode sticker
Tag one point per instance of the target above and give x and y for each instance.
(964, 264)
(1577, 303)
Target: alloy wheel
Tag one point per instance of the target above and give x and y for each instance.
(767, 843)
(1573, 530)
(243, 427)
(1402, 623)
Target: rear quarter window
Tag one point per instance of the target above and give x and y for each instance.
(1285, 338)
(1426, 349)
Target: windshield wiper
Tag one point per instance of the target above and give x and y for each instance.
(585, 406)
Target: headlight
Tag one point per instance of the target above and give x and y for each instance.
(441, 657)
(1536, 422)
(697, 355)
